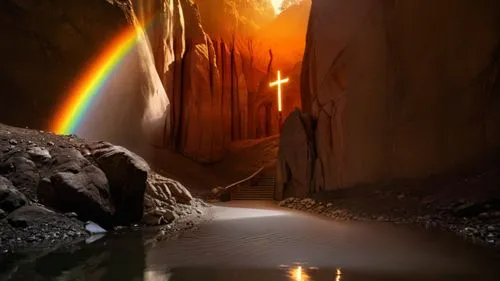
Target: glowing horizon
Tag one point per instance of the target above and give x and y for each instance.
(277, 6)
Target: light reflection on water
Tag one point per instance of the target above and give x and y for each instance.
(300, 273)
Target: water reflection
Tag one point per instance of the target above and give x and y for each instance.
(338, 274)
(299, 274)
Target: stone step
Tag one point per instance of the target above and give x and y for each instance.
(259, 188)
(259, 182)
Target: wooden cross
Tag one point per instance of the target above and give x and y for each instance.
(278, 83)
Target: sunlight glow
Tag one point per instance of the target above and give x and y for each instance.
(277, 5)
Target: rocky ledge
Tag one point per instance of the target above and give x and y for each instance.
(52, 187)
(479, 221)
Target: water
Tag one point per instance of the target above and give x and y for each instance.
(248, 242)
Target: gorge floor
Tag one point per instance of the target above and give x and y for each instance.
(259, 241)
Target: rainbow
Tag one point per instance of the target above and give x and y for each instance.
(90, 83)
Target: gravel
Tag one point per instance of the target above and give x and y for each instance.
(477, 229)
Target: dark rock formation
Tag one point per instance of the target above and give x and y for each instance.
(97, 182)
(85, 193)
(127, 174)
(10, 197)
(401, 89)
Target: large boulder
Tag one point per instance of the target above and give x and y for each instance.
(10, 197)
(296, 157)
(127, 174)
(22, 172)
(76, 185)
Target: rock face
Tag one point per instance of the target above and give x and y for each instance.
(228, 18)
(127, 174)
(401, 89)
(296, 157)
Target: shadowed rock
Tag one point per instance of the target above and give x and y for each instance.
(296, 157)
(10, 197)
(127, 174)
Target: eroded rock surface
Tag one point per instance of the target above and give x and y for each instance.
(396, 97)
(166, 200)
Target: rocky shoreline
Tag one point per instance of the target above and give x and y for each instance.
(52, 186)
(482, 228)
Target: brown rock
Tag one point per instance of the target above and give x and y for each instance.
(295, 157)
(389, 106)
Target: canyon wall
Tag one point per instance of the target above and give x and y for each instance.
(218, 85)
(397, 90)
(193, 81)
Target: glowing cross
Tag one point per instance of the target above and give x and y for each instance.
(278, 83)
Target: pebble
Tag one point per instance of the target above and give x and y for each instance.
(13, 141)
(50, 143)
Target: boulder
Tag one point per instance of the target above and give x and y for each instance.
(10, 197)
(127, 174)
(85, 193)
(23, 173)
(39, 154)
(28, 215)
(296, 157)
(76, 185)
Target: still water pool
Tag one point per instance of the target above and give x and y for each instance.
(259, 242)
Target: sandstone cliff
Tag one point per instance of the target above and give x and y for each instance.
(180, 86)
(399, 89)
